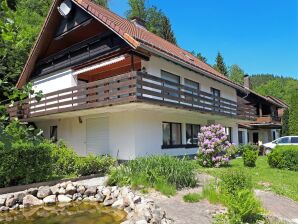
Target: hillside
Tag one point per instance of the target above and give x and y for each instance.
(278, 86)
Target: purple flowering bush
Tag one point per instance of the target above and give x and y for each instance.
(213, 144)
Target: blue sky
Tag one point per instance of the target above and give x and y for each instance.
(261, 36)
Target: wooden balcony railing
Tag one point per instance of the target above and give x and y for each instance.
(130, 87)
(268, 119)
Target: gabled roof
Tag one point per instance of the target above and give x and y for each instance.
(135, 36)
(282, 103)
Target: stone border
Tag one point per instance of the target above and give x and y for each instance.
(139, 209)
(18, 188)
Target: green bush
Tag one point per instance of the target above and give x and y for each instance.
(243, 207)
(284, 157)
(244, 147)
(235, 180)
(193, 197)
(94, 165)
(250, 157)
(64, 159)
(154, 169)
(24, 163)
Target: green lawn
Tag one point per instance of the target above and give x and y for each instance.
(282, 182)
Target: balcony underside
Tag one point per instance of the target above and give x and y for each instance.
(132, 87)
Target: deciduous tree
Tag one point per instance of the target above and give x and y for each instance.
(293, 113)
(236, 74)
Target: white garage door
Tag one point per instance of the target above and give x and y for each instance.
(97, 136)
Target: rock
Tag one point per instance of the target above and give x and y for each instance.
(119, 204)
(93, 199)
(109, 201)
(137, 199)
(76, 196)
(114, 188)
(70, 189)
(20, 196)
(63, 185)
(81, 189)
(30, 200)
(141, 222)
(55, 190)
(100, 197)
(128, 210)
(106, 192)
(100, 188)
(21, 206)
(43, 192)
(2, 201)
(51, 199)
(91, 191)
(32, 191)
(63, 199)
(16, 206)
(61, 190)
(11, 202)
(115, 193)
(4, 209)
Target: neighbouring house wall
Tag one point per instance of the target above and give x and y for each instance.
(156, 64)
(55, 81)
(265, 135)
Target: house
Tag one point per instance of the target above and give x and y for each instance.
(112, 87)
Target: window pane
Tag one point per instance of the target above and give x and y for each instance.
(166, 130)
(294, 139)
(54, 133)
(191, 84)
(188, 134)
(176, 134)
(196, 130)
(240, 137)
(284, 140)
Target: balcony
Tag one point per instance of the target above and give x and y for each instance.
(127, 88)
(268, 119)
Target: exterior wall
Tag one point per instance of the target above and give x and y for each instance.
(55, 81)
(156, 64)
(265, 135)
(133, 133)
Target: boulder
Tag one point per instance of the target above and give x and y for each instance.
(81, 189)
(64, 199)
(70, 189)
(106, 192)
(43, 192)
(32, 191)
(137, 199)
(4, 209)
(30, 200)
(76, 196)
(10, 202)
(55, 190)
(51, 199)
(119, 204)
(91, 191)
(143, 221)
(100, 197)
(20, 196)
(2, 201)
(61, 190)
(109, 201)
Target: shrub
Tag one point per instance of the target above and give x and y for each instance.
(244, 147)
(250, 157)
(284, 157)
(153, 170)
(211, 193)
(213, 143)
(64, 159)
(235, 180)
(25, 163)
(243, 207)
(193, 197)
(94, 165)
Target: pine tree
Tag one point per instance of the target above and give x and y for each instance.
(220, 65)
(236, 74)
(199, 56)
(285, 123)
(166, 31)
(137, 9)
(103, 3)
(293, 114)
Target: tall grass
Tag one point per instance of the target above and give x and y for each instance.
(156, 171)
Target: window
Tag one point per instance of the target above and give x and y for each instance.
(294, 139)
(194, 88)
(175, 79)
(228, 131)
(192, 131)
(171, 134)
(283, 140)
(240, 137)
(54, 133)
(216, 100)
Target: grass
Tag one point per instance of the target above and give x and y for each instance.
(193, 197)
(282, 182)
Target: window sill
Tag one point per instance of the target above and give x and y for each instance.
(178, 146)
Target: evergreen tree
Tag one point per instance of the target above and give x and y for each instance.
(293, 113)
(199, 56)
(285, 123)
(156, 21)
(103, 3)
(166, 31)
(220, 65)
(236, 74)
